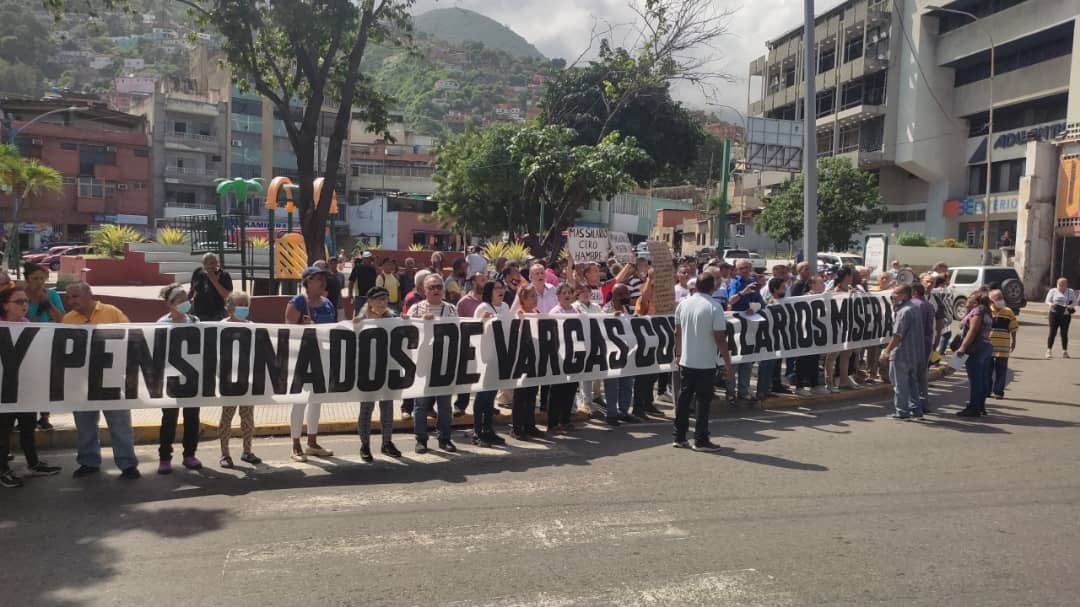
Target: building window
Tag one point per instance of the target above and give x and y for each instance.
(246, 107)
(68, 180)
(179, 127)
(69, 146)
(92, 155)
(1060, 46)
(826, 60)
(947, 22)
(142, 153)
(826, 103)
(185, 197)
(789, 76)
(904, 216)
(91, 188)
(853, 49)
(140, 185)
(1039, 111)
(1005, 177)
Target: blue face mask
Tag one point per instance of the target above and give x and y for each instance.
(183, 307)
(241, 312)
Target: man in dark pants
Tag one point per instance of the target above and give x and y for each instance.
(210, 287)
(362, 279)
(699, 335)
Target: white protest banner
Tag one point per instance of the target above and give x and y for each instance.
(620, 244)
(587, 244)
(50, 367)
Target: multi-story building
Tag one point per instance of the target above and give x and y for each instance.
(103, 157)
(379, 166)
(904, 89)
(189, 142)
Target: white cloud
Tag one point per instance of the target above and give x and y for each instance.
(560, 28)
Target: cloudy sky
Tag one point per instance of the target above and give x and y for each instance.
(560, 28)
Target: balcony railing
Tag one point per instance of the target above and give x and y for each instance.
(190, 205)
(190, 172)
(192, 136)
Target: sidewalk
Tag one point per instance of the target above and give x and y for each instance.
(341, 418)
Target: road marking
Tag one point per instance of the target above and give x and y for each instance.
(742, 588)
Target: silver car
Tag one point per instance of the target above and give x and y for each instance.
(964, 280)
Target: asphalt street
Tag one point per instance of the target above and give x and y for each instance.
(829, 505)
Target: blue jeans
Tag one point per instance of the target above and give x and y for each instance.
(619, 393)
(483, 412)
(943, 343)
(906, 394)
(921, 397)
(120, 432)
(978, 372)
(743, 371)
(420, 417)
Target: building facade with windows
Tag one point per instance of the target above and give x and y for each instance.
(904, 89)
(104, 158)
(379, 166)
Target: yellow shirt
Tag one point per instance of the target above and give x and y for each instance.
(391, 284)
(102, 314)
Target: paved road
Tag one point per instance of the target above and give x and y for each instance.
(829, 506)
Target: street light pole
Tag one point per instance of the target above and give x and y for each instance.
(987, 256)
(810, 142)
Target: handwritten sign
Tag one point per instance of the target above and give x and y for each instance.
(620, 244)
(663, 277)
(588, 244)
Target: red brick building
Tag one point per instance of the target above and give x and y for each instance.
(104, 158)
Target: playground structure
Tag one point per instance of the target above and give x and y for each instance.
(231, 236)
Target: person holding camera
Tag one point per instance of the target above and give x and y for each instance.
(1062, 302)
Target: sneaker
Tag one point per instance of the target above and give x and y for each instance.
(819, 390)
(1049, 354)
(406, 415)
(834, 390)
(82, 471)
(535, 432)
(519, 435)
(851, 385)
(459, 413)
(705, 445)
(968, 413)
(495, 439)
(44, 425)
(1065, 354)
(483, 442)
(390, 450)
(251, 458)
(164, 466)
(630, 419)
(192, 463)
(899, 417)
(44, 469)
(365, 453)
(10, 480)
(421, 447)
(612, 421)
(681, 444)
(130, 474)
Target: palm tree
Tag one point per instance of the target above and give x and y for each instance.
(240, 188)
(26, 179)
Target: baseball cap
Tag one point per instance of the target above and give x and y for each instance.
(374, 292)
(312, 271)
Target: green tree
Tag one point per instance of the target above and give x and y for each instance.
(21, 79)
(25, 179)
(848, 203)
(563, 177)
(479, 187)
(289, 50)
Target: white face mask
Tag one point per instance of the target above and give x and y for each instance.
(1000, 303)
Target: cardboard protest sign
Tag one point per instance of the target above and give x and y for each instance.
(620, 244)
(663, 277)
(588, 244)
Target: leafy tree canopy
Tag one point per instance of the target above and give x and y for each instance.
(848, 203)
(479, 187)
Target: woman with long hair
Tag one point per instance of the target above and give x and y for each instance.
(1062, 302)
(176, 298)
(561, 400)
(493, 306)
(237, 308)
(837, 364)
(13, 304)
(524, 412)
(45, 306)
(975, 329)
(377, 306)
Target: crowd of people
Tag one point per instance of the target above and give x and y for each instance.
(503, 289)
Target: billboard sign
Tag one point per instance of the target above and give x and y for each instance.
(773, 144)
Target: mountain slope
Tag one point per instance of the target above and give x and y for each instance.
(457, 25)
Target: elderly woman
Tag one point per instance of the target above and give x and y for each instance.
(376, 307)
(176, 298)
(238, 307)
(307, 308)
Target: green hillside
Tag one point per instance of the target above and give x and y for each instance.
(458, 25)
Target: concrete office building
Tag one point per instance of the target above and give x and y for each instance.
(903, 89)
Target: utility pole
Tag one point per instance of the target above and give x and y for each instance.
(810, 142)
(722, 207)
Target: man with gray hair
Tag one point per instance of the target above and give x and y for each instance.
(210, 287)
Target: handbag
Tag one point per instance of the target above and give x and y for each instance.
(954, 345)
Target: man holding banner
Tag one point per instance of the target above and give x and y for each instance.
(700, 333)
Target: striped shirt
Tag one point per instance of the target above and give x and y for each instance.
(1001, 331)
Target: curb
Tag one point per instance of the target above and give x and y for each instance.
(147, 434)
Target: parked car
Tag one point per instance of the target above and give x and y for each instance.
(733, 255)
(965, 279)
(53, 259)
(704, 254)
(836, 260)
(757, 262)
(44, 249)
(36, 256)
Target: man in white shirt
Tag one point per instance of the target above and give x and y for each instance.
(682, 286)
(477, 263)
(700, 334)
(545, 292)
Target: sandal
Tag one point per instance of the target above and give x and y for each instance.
(225, 462)
(299, 457)
(251, 458)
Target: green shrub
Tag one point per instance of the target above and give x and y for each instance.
(110, 239)
(912, 239)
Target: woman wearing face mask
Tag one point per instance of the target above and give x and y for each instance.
(45, 306)
(562, 395)
(179, 307)
(524, 412)
(975, 329)
(309, 308)
(376, 307)
(238, 307)
(492, 306)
